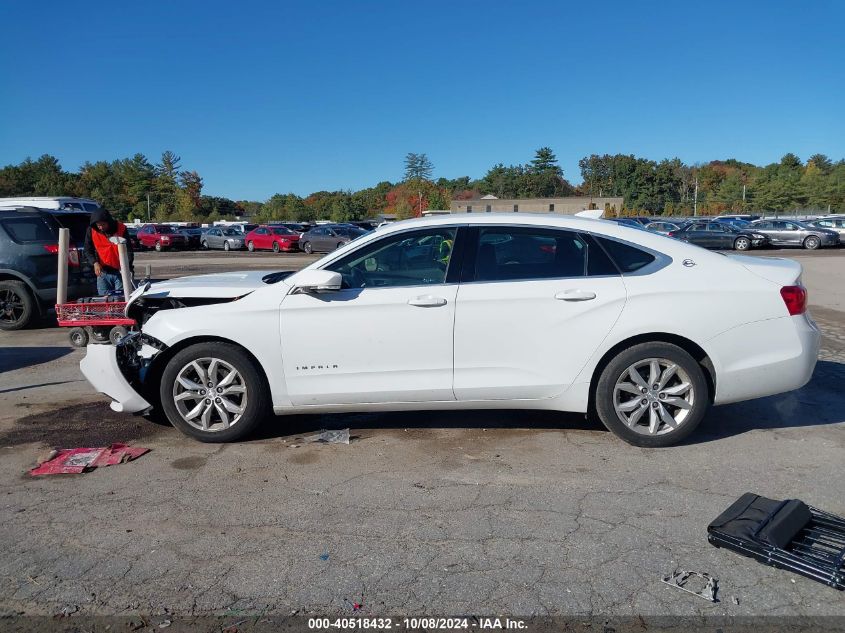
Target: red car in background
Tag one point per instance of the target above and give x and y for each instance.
(274, 238)
(161, 237)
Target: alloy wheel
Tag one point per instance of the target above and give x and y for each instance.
(742, 244)
(653, 396)
(11, 306)
(210, 394)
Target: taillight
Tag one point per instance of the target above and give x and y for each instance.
(795, 298)
(671, 234)
(72, 254)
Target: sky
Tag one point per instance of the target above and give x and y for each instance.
(267, 97)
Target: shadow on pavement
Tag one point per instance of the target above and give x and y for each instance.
(12, 358)
(820, 402)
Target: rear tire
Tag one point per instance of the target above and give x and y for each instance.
(640, 418)
(811, 243)
(17, 305)
(243, 400)
(339, 245)
(742, 244)
(308, 248)
(251, 246)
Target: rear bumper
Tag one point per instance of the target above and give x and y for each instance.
(764, 358)
(101, 369)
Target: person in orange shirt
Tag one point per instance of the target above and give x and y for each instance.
(102, 253)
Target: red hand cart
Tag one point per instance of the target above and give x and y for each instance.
(85, 315)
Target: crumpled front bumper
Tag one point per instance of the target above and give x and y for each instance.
(101, 369)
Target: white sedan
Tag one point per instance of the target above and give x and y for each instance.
(486, 311)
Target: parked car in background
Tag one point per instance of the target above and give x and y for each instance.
(646, 331)
(364, 224)
(723, 235)
(272, 238)
(161, 237)
(59, 203)
(664, 228)
(794, 233)
(132, 237)
(733, 221)
(326, 238)
(243, 229)
(745, 217)
(630, 222)
(29, 247)
(226, 237)
(193, 236)
(296, 227)
(833, 224)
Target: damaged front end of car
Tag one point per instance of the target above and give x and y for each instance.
(128, 371)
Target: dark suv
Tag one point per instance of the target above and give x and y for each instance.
(29, 246)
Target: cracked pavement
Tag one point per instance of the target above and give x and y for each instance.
(508, 512)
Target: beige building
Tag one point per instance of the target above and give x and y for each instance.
(569, 205)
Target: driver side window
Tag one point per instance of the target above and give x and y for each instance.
(416, 258)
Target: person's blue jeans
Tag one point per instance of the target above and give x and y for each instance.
(108, 283)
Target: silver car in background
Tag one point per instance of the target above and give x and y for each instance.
(794, 233)
(833, 224)
(225, 237)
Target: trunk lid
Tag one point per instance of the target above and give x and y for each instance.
(784, 272)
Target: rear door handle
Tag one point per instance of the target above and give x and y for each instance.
(575, 295)
(427, 301)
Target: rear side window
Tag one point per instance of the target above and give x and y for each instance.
(23, 230)
(627, 258)
(514, 253)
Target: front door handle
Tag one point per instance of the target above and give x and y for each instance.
(575, 295)
(427, 301)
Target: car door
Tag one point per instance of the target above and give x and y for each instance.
(720, 235)
(386, 336)
(532, 309)
(795, 234)
(697, 234)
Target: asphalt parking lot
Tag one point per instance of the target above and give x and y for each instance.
(440, 513)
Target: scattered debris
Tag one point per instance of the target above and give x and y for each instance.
(734, 599)
(79, 460)
(164, 624)
(680, 577)
(324, 556)
(787, 534)
(332, 436)
(67, 611)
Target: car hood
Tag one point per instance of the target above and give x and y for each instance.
(214, 286)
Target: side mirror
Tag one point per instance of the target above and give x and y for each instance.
(316, 281)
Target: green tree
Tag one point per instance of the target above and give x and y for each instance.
(418, 167)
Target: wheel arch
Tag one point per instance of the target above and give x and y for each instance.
(10, 275)
(689, 346)
(161, 360)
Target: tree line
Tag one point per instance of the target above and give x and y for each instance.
(137, 188)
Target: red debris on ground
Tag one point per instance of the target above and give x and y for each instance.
(65, 461)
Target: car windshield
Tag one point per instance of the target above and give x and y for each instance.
(280, 230)
(231, 232)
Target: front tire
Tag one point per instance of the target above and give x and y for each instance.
(275, 247)
(652, 395)
(308, 248)
(205, 245)
(226, 246)
(17, 306)
(742, 244)
(811, 243)
(158, 247)
(214, 392)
